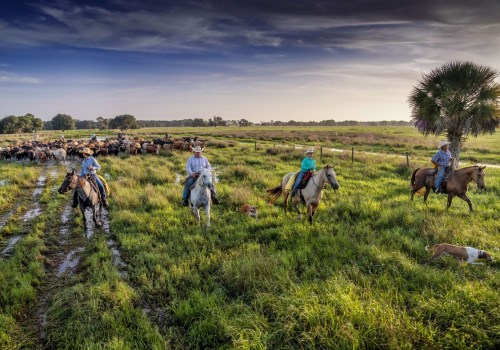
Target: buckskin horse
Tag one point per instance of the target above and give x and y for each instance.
(310, 195)
(457, 185)
(88, 196)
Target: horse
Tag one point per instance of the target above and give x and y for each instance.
(88, 197)
(457, 185)
(310, 195)
(200, 195)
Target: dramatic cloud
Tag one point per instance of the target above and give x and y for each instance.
(241, 52)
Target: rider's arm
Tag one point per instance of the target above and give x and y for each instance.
(207, 165)
(95, 165)
(188, 167)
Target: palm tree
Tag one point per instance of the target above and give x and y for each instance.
(458, 99)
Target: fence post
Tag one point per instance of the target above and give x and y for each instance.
(407, 160)
(255, 145)
(321, 153)
(352, 155)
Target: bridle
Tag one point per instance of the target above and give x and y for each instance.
(70, 182)
(202, 182)
(328, 176)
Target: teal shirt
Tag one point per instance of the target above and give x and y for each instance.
(308, 164)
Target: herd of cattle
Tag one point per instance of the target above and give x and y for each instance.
(61, 149)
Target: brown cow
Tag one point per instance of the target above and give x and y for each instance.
(152, 149)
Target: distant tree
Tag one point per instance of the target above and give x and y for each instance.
(197, 122)
(48, 125)
(102, 123)
(63, 122)
(124, 122)
(458, 99)
(8, 125)
(86, 124)
(244, 122)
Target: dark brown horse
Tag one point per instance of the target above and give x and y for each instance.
(88, 197)
(457, 185)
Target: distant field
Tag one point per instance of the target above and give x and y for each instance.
(396, 140)
(359, 278)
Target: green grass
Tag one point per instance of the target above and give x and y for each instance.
(358, 278)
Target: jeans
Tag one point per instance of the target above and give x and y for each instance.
(190, 182)
(440, 177)
(298, 180)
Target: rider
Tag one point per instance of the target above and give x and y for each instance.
(441, 160)
(307, 164)
(195, 164)
(89, 166)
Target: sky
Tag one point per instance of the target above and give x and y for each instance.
(254, 59)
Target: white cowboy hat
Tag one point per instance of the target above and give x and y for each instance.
(87, 150)
(310, 150)
(443, 143)
(197, 149)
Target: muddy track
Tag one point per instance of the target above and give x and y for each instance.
(33, 211)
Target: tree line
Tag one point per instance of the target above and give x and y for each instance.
(28, 123)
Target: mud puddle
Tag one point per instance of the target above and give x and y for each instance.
(70, 262)
(11, 242)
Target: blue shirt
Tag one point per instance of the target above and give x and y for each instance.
(442, 158)
(196, 165)
(89, 161)
(308, 164)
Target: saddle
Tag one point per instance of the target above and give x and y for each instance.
(93, 183)
(448, 173)
(305, 179)
(291, 181)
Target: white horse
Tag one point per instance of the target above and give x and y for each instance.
(60, 155)
(310, 195)
(200, 195)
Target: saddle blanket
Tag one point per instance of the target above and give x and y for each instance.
(291, 181)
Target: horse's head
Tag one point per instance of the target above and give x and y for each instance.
(69, 182)
(205, 178)
(331, 177)
(478, 177)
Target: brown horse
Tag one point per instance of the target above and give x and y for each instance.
(457, 185)
(88, 197)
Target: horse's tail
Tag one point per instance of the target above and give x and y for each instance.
(412, 181)
(274, 193)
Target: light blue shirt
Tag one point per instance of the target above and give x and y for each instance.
(86, 163)
(442, 158)
(196, 165)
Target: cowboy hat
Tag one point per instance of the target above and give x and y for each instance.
(310, 150)
(87, 150)
(197, 149)
(443, 143)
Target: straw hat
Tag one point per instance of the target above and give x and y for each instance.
(87, 150)
(310, 150)
(197, 149)
(443, 143)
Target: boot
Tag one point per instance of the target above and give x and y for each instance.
(292, 194)
(105, 202)
(75, 200)
(215, 200)
(185, 203)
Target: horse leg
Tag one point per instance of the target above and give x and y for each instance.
(285, 201)
(450, 197)
(94, 216)
(296, 206)
(465, 198)
(313, 209)
(309, 214)
(426, 194)
(84, 219)
(207, 212)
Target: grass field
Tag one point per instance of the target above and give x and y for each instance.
(358, 278)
